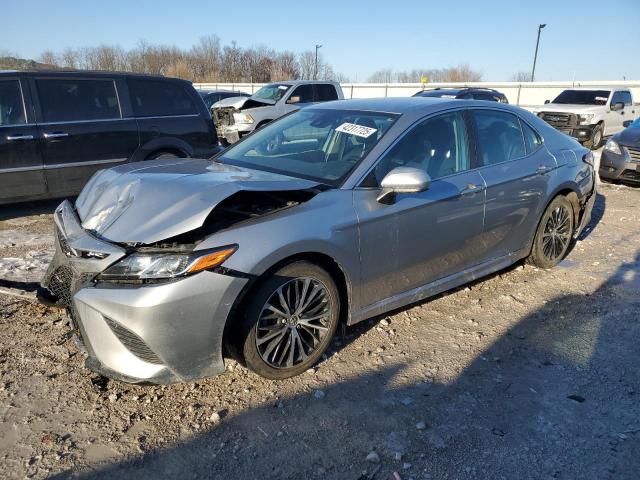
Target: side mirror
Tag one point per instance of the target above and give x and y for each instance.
(295, 99)
(547, 101)
(627, 123)
(616, 107)
(403, 180)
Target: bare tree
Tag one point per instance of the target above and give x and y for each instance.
(381, 76)
(521, 77)
(48, 57)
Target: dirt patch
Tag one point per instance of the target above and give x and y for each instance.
(526, 374)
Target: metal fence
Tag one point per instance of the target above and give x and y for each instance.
(525, 94)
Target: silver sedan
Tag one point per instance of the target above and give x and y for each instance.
(334, 213)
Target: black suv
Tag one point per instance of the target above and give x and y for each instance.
(58, 128)
(465, 94)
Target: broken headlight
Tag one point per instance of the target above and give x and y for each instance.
(240, 117)
(613, 147)
(158, 266)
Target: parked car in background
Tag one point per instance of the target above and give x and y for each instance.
(213, 96)
(58, 128)
(488, 94)
(236, 117)
(335, 213)
(589, 114)
(620, 158)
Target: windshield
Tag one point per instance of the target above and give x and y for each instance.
(273, 92)
(317, 144)
(583, 97)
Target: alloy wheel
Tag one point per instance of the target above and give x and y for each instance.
(557, 234)
(293, 322)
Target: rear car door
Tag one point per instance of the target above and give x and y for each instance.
(516, 169)
(21, 172)
(169, 118)
(426, 236)
(82, 129)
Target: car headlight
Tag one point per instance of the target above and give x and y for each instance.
(240, 117)
(585, 118)
(613, 147)
(157, 266)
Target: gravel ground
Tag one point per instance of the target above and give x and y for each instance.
(525, 374)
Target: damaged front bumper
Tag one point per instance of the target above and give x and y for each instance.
(226, 127)
(156, 332)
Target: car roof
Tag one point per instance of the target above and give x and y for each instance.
(417, 106)
(298, 82)
(89, 73)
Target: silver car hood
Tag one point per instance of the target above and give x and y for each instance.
(146, 202)
(235, 102)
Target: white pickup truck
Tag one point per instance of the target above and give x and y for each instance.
(589, 114)
(236, 117)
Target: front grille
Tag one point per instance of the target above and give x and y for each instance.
(631, 175)
(560, 119)
(223, 117)
(634, 154)
(133, 342)
(60, 284)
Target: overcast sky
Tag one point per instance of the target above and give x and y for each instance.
(585, 40)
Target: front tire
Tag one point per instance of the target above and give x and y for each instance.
(289, 321)
(596, 138)
(554, 234)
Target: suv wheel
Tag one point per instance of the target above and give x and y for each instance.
(554, 234)
(289, 321)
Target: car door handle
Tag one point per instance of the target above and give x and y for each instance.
(51, 135)
(471, 188)
(13, 138)
(542, 169)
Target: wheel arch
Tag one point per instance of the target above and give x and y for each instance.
(323, 260)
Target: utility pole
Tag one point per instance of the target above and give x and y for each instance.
(535, 56)
(315, 69)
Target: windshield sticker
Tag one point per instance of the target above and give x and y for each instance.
(601, 99)
(357, 130)
(448, 96)
(282, 87)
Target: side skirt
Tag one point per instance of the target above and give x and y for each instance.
(434, 288)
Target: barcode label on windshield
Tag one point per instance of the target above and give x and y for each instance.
(357, 130)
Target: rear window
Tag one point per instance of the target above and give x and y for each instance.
(326, 92)
(64, 100)
(153, 98)
(11, 106)
(500, 138)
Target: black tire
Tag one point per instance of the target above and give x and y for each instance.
(554, 234)
(164, 156)
(596, 138)
(264, 334)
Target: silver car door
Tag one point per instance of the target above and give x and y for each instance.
(424, 236)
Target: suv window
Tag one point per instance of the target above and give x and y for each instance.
(531, 138)
(304, 92)
(499, 136)
(438, 145)
(156, 98)
(71, 99)
(326, 92)
(621, 97)
(11, 105)
(486, 96)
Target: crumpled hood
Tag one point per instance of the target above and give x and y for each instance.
(147, 202)
(239, 102)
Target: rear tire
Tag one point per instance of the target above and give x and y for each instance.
(296, 307)
(553, 235)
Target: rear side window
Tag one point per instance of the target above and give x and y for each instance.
(152, 98)
(531, 138)
(11, 105)
(71, 99)
(326, 92)
(499, 136)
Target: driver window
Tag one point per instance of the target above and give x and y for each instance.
(438, 145)
(302, 94)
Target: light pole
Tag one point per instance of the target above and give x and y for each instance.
(535, 56)
(315, 68)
